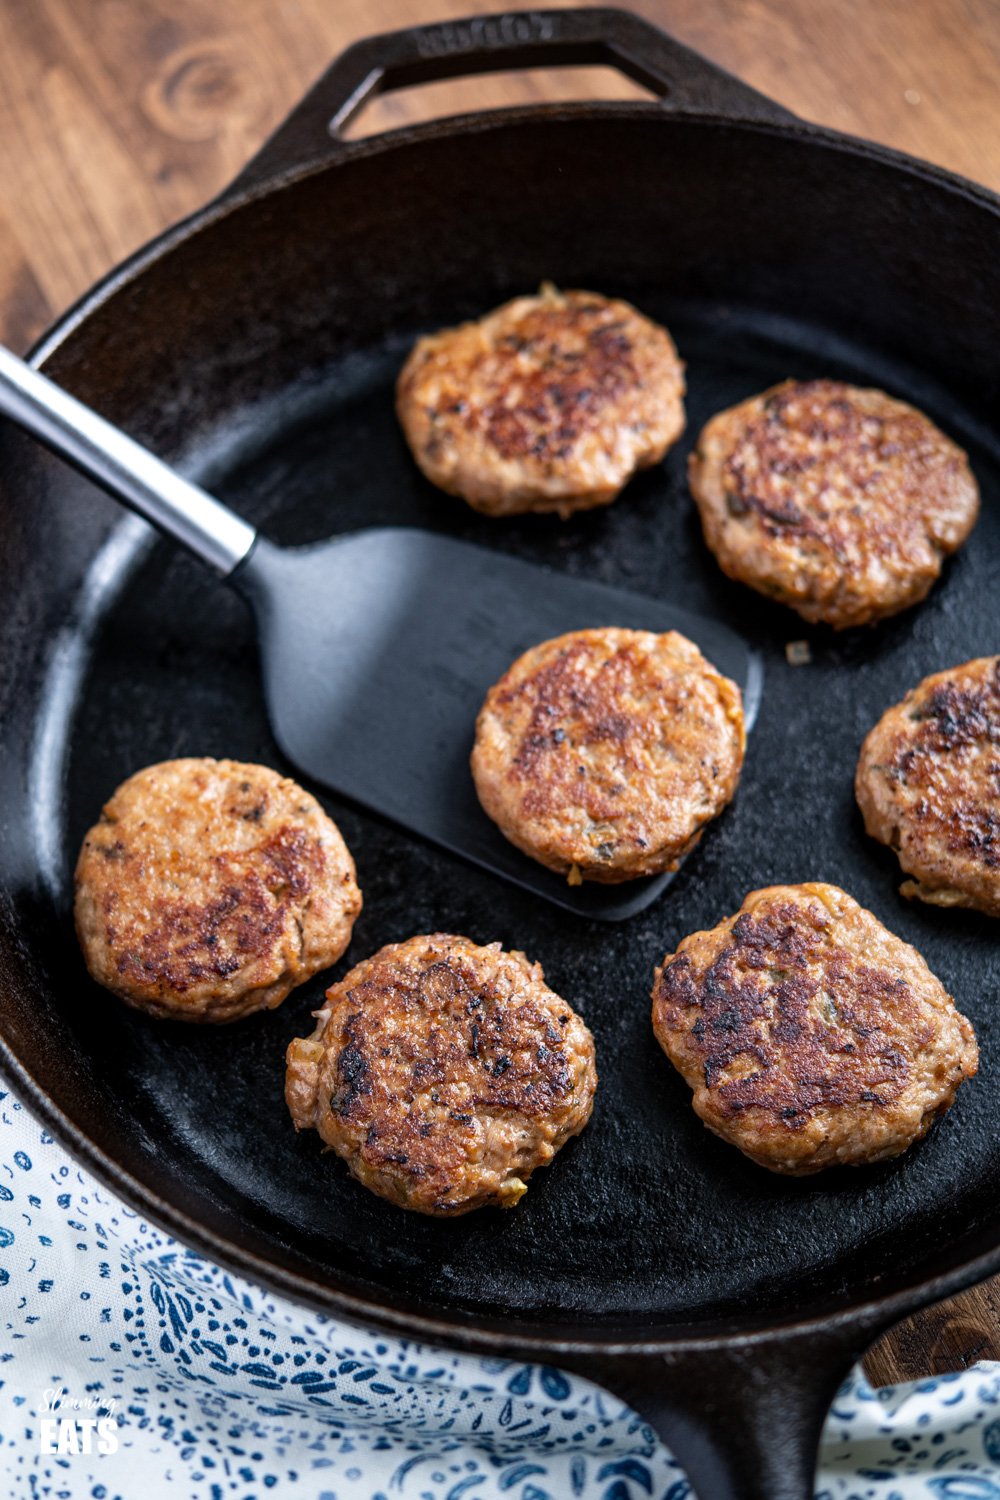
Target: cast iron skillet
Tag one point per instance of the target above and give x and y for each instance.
(256, 345)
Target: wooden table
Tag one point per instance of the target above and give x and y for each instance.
(117, 118)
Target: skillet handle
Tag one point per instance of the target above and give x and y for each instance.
(681, 78)
(743, 1418)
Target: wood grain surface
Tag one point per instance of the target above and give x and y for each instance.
(117, 118)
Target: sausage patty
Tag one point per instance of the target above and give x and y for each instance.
(603, 753)
(549, 403)
(928, 784)
(444, 1074)
(809, 1034)
(837, 501)
(210, 889)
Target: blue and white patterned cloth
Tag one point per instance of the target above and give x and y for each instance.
(133, 1369)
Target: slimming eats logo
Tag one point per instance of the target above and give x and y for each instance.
(76, 1424)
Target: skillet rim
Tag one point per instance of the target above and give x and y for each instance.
(236, 196)
(461, 1329)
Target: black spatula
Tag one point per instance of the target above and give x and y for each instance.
(378, 647)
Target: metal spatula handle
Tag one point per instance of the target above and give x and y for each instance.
(122, 466)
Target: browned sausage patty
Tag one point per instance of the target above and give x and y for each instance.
(928, 784)
(444, 1074)
(603, 753)
(210, 889)
(810, 1035)
(837, 501)
(549, 403)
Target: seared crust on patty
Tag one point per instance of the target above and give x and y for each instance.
(603, 753)
(444, 1073)
(837, 501)
(549, 403)
(810, 1035)
(928, 785)
(210, 889)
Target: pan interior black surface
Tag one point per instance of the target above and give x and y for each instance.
(646, 1217)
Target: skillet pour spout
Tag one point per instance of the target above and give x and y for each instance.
(772, 249)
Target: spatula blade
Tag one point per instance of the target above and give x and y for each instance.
(378, 649)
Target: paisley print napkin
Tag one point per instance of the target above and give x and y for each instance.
(133, 1369)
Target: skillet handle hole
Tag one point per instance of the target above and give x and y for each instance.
(434, 101)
